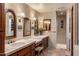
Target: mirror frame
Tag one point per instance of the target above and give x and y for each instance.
(24, 26)
(11, 11)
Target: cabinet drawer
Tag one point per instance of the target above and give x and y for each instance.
(23, 52)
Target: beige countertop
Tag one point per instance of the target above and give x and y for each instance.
(22, 43)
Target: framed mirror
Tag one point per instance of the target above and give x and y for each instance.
(10, 24)
(47, 24)
(27, 27)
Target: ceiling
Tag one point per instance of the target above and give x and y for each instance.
(49, 7)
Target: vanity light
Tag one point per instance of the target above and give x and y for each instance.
(47, 22)
(34, 18)
(41, 21)
(21, 14)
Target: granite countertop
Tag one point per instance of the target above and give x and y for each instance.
(22, 43)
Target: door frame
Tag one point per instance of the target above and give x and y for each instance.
(72, 31)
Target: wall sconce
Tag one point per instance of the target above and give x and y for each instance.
(41, 21)
(33, 18)
(21, 14)
(48, 22)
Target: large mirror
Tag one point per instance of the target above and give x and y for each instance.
(10, 24)
(36, 27)
(47, 24)
(27, 27)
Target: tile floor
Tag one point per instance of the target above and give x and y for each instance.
(56, 52)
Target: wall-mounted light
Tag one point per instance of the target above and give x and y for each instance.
(33, 18)
(21, 14)
(48, 22)
(41, 21)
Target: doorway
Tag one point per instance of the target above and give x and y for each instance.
(61, 29)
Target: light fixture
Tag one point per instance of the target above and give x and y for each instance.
(41, 21)
(21, 14)
(34, 18)
(48, 22)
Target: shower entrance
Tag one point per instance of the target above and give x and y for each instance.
(61, 29)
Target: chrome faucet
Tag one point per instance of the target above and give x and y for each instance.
(10, 41)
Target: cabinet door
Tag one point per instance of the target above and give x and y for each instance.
(28, 51)
(2, 42)
(33, 50)
(23, 52)
(45, 42)
(2, 29)
(2, 18)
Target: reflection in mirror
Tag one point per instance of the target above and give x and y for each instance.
(27, 27)
(47, 24)
(36, 27)
(10, 24)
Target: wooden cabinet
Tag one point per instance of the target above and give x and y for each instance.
(45, 42)
(2, 29)
(28, 51)
(23, 52)
(2, 18)
(2, 42)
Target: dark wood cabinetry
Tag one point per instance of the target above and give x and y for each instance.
(2, 29)
(41, 46)
(28, 51)
(2, 18)
(45, 42)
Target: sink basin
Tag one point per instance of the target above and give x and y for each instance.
(39, 37)
(22, 40)
(16, 44)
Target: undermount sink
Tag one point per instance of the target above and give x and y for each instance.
(23, 40)
(13, 45)
(38, 37)
(16, 44)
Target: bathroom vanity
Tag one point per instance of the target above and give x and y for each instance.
(27, 51)
(26, 47)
